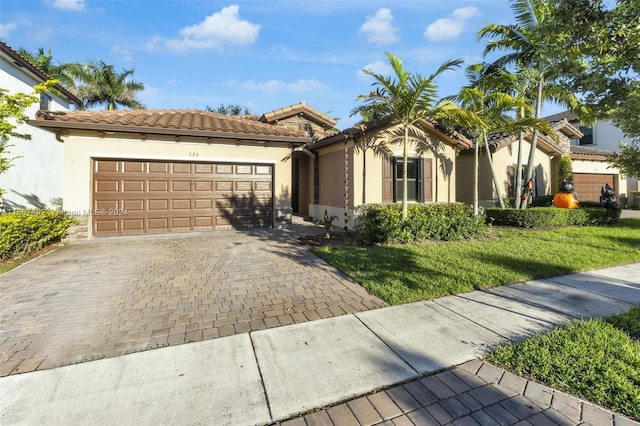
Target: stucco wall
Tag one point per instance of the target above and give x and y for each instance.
(81, 147)
(36, 177)
(502, 160)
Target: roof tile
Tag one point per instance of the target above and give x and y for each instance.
(170, 119)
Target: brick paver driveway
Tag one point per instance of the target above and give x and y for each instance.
(111, 296)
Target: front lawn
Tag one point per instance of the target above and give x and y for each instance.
(598, 360)
(406, 273)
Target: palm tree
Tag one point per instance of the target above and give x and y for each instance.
(406, 98)
(530, 45)
(99, 84)
(483, 98)
(44, 62)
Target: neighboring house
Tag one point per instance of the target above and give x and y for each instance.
(333, 178)
(36, 177)
(591, 169)
(157, 171)
(504, 148)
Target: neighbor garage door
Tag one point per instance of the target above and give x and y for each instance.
(588, 185)
(139, 197)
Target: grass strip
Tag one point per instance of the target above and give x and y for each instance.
(406, 273)
(594, 360)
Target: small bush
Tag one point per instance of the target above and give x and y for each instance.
(382, 223)
(551, 216)
(24, 231)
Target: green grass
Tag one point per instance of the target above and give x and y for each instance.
(405, 273)
(596, 360)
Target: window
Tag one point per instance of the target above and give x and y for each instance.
(414, 179)
(45, 101)
(587, 139)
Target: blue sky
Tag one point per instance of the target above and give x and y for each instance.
(260, 54)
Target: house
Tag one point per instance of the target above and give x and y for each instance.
(590, 168)
(336, 175)
(156, 171)
(36, 177)
(504, 149)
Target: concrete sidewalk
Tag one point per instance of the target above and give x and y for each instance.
(271, 375)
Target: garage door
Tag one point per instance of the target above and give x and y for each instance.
(139, 197)
(588, 185)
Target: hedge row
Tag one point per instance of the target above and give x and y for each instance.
(535, 217)
(24, 231)
(382, 223)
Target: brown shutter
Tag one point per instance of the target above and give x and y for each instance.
(427, 181)
(387, 180)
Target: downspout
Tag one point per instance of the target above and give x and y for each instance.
(304, 150)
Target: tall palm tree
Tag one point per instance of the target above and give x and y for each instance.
(407, 98)
(99, 84)
(491, 107)
(530, 44)
(44, 62)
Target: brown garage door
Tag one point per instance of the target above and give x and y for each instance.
(139, 197)
(588, 185)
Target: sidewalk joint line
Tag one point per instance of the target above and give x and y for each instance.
(472, 321)
(264, 388)
(386, 344)
(617, 299)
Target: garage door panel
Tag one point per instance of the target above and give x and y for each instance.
(158, 186)
(133, 205)
(133, 186)
(184, 204)
(158, 167)
(158, 205)
(158, 196)
(105, 186)
(134, 167)
(204, 203)
(132, 224)
(107, 166)
(206, 186)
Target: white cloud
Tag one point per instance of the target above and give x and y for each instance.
(277, 86)
(5, 29)
(378, 67)
(466, 13)
(125, 53)
(221, 29)
(67, 4)
(450, 28)
(378, 28)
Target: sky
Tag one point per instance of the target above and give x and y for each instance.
(260, 54)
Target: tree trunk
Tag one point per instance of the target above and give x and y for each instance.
(493, 172)
(405, 157)
(534, 138)
(518, 173)
(475, 177)
(364, 176)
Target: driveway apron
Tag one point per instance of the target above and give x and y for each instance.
(111, 296)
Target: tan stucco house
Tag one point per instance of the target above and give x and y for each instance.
(154, 171)
(504, 149)
(335, 176)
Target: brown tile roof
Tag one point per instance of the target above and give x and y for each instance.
(588, 153)
(171, 122)
(450, 136)
(500, 140)
(295, 109)
(23, 62)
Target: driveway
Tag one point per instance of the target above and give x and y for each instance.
(112, 296)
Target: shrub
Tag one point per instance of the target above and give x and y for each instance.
(24, 231)
(542, 201)
(382, 223)
(551, 216)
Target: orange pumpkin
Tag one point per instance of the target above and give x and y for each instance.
(566, 200)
